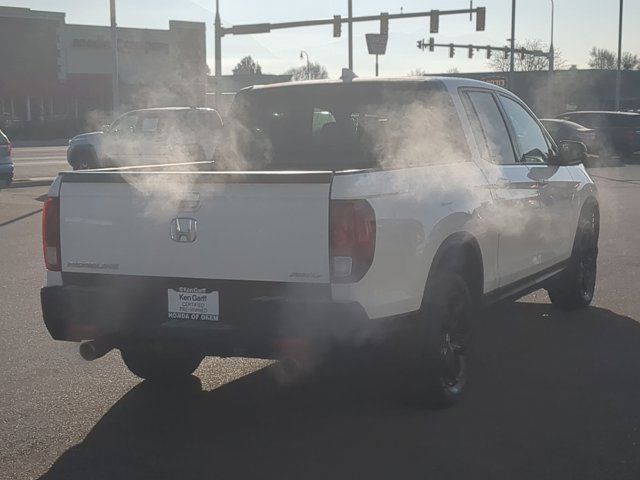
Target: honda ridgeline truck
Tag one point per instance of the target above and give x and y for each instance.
(334, 209)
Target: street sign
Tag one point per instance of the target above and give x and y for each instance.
(377, 43)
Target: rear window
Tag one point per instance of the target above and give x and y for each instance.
(342, 126)
(3, 138)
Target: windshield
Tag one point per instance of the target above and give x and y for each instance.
(340, 127)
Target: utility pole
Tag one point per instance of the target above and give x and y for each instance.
(218, 54)
(115, 76)
(618, 71)
(551, 50)
(513, 41)
(350, 14)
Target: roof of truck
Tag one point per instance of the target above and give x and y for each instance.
(450, 82)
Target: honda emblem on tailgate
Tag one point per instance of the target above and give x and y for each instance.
(184, 230)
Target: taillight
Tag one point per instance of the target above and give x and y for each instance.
(352, 239)
(51, 234)
(9, 147)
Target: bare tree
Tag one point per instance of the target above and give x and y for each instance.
(315, 71)
(418, 72)
(528, 63)
(453, 70)
(247, 66)
(602, 59)
(630, 61)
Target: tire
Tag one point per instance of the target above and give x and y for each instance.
(160, 364)
(576, 286)
(443, 334)
(84, 159)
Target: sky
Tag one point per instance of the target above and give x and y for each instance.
(579, 25)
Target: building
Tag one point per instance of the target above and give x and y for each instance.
(54, 71)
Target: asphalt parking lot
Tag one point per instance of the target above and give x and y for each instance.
(39, 162)
(553, 395)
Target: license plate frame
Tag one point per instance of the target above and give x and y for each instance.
(199, 304)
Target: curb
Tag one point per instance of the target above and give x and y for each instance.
(32, 182)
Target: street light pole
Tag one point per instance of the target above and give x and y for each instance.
(618, 71)
(115, 80)
(218, 55)
(350, 13)
(302, 55)
(551, 50)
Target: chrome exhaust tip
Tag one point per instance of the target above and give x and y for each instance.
(95, 349)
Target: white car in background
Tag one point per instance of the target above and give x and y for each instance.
(149, 136)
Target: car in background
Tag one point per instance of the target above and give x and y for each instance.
(149, 136)
(565, 130)
(616, 132)
(6, 163)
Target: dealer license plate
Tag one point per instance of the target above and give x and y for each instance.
(193, 304)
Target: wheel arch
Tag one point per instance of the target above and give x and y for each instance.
(460, 252)
(591, 204)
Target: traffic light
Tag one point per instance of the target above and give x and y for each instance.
(337, 26)
(452, 50)
(431, 44)
(481, 16)
(488, 52)
(384, 23)
(434, 18)
(420, 44)
(506, 53)
(470, 51)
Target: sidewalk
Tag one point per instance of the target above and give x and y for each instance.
(32, 182)
(59, 142)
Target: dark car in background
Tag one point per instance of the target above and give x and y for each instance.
(6, 163)
(616, 132)
(565, 130)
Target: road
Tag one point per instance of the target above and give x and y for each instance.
(554, 395)
(39, 162)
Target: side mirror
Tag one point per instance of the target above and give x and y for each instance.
(572, 153)
(105, 128)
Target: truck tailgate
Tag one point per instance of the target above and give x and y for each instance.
(254, 227)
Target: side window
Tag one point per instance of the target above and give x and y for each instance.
(532, 143)
(489, 128)
(125, 125)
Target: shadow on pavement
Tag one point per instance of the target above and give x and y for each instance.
(554, 395)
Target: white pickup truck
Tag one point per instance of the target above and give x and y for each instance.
(337, 211)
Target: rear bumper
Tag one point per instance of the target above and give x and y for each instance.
(76, 313)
